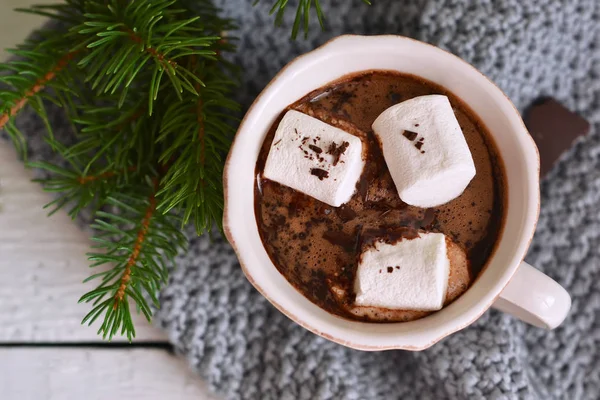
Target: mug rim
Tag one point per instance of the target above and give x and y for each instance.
(227, 224)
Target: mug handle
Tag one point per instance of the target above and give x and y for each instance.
(535, 298)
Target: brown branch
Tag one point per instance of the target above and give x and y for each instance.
(85, 179)
(37, 87)
(151, 50)
(91, 178)
(137, 248)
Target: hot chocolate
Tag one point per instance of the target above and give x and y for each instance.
(317, 246)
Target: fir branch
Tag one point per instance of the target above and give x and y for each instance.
(137, 248)
(79, 191)
(138, 243)
(203, 130)
(116, 135)
(146, 87)
(37, 86)
(107, 157)
(140, 35)
(41, 65)
(303, 11)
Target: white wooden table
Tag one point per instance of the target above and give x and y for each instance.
(45, 353)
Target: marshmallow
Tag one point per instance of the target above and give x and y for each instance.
(425, 150)
(411, 274)
(315, 158)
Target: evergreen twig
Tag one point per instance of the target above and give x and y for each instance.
(147, 91)
(303, 11)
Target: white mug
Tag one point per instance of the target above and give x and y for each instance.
(506, 283)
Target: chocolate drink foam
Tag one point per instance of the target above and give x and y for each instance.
(316, 246)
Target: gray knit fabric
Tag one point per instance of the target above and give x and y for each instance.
(246, 349)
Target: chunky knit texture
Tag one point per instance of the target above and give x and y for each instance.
(247, 350)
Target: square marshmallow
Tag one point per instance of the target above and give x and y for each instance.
(425, 150)
(303, 156)
(411, 274)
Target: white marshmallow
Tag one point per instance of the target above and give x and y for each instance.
(420, 282)
(292, 161)
(438, 171)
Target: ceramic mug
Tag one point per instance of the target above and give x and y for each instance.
(507, 283)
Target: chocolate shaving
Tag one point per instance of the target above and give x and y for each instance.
(410, 135)
(316, 149)
(344, 240)
(304, 139)
(346, 213)
(319, 173)
(277, 142)
(337, 151)
(418, 145)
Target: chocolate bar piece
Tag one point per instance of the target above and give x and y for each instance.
(554, 129)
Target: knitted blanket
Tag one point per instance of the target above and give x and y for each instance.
(246, 349)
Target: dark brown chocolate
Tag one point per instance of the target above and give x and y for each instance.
(346, 213)
(337, 151)
(319, 173)
(316, 149)
(554, 129)
(344, 240)
(410, 135)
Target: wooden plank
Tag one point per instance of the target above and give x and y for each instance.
(42, 265)
(96, 374)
